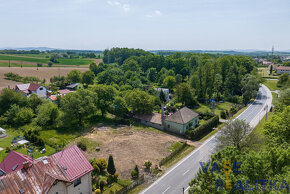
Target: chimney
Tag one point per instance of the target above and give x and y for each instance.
(26, 165)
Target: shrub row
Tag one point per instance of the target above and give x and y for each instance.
(18, 78)
(203, 129)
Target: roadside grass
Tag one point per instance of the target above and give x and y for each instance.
(184, 152)
(137, 189)
(175, 146)
(271, 84)
(275, 99)
(257, 134)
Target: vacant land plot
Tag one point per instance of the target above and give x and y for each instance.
(129, 146)
(41, 73)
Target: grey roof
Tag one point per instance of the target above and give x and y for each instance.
(72, 85)
(182, 116)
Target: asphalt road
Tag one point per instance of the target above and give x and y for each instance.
(178, 177)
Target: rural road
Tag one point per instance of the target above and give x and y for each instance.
(178, 177)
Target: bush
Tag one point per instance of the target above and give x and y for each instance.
(97, 191)
(102, 184)
(203, 129)
(147, 164)
(82, 146)
(135, 173)
(223, 114)
(102, 164)
(49, 64)
(33, 136)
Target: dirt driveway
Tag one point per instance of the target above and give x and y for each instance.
(130, 147)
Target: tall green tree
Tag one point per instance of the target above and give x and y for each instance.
(47, 114)
(169, 82)
(139, 101)
(111, 165)
(250, 87)
(78, 105)
(106, 95)
(9, 97)
(74, 76)
(185, 95)
(34, 101)
(88, 77)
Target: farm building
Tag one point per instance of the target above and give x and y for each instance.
(74, 86)
(67, 171)
(31, 88)
(179, 122)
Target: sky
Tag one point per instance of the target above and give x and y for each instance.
(146, 24)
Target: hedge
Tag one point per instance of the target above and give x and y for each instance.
(203, 129)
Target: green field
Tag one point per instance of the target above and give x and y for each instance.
(62, 61)
(271, 84)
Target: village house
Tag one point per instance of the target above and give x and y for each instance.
(165, 91)
(65, 172)
(178, 122)
(282, 69)
(31, 88)
(74, 86)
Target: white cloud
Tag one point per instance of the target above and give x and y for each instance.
(125, 7)
(155, 13)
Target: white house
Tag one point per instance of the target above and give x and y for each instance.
(165, 91)
(31, 88)
(282, 69)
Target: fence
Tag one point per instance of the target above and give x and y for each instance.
(133, 185)
(167, 158)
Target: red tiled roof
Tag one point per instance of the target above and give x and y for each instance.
(40, 176)
(283, 68)
(13, 159)
(53, 98)
(152, 118)
(73, 160)
(33, 87)
(65, 91)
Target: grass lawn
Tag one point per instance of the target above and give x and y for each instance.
(218, 107)
(114, 188)
(264, 72)
(271, 84)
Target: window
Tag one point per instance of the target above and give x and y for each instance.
(168, 126)
(77, 182)
(40, 88)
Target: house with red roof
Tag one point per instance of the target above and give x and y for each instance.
(31, 88)
(67, 171)
(283, 69)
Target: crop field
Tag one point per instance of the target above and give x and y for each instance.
(41, 73)
(35, 60)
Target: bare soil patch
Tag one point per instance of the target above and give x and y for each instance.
(41, 73)
(130, 147)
